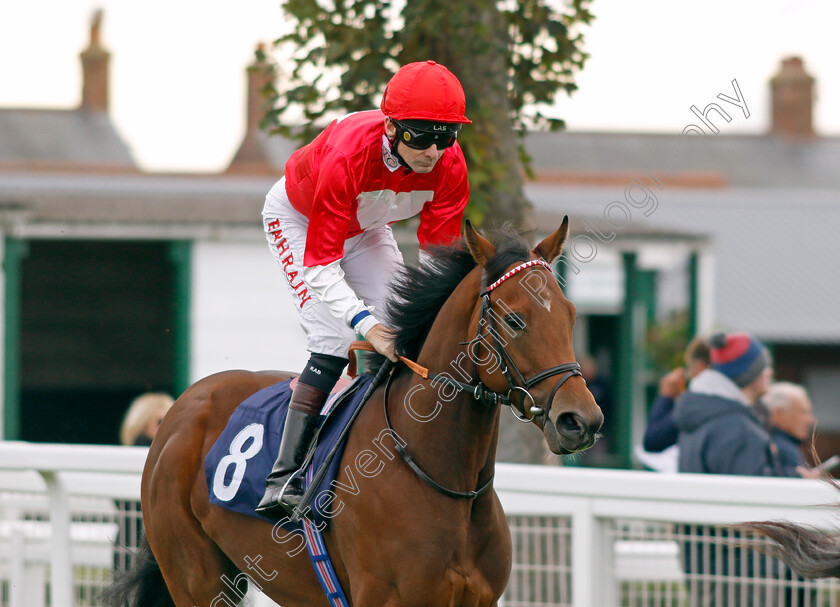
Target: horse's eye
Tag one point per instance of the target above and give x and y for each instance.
(515, 322)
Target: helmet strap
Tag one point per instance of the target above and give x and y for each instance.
(396, 154)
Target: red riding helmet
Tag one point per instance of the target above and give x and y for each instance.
(425, 90)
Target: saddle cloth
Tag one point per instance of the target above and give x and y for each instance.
(238, 462)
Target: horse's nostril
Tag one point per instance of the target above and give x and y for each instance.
(569, 424)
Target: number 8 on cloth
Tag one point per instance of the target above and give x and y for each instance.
(237, 463)
(237, 458)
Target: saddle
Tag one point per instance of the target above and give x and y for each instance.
(238, 462)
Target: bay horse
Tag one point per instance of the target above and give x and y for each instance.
(493, 325)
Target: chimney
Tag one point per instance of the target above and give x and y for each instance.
(95, 70)
(254, 154)
(792, 92)
(258, 78)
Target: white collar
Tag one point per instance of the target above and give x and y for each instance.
(716, 383)
(388, 158)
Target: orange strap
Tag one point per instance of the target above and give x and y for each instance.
(368, 347)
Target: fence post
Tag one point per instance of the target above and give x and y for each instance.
(593, 570)
(17, 569)
(61, 562)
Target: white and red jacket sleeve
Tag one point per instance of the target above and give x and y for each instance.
(330, 216)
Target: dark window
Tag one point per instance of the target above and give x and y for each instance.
(96, 331)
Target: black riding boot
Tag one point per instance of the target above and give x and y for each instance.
(301, 423)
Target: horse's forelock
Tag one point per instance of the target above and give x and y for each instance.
(510, 249)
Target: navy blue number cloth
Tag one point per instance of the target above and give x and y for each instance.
(236, 466)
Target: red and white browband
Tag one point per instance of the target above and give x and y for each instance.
(516, 270)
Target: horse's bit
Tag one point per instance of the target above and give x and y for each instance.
(480, 391)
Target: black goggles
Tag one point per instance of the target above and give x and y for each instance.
(441, 135)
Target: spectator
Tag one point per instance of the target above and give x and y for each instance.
(661, 432)
(139, 427)
(142, 419)
(792, 425)
(791, 421)
(719, 433)
(599, 386)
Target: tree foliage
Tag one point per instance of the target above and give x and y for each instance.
(513, 57)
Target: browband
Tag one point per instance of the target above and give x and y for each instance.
(516, 270)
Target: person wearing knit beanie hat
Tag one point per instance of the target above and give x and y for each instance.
(719, 430)
(739, 356)
(720, 433)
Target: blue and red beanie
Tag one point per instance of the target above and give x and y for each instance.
(739, 356)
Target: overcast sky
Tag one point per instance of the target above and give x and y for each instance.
(178, 66)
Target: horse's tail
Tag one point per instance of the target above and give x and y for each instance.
(810, 552)
(140, 586)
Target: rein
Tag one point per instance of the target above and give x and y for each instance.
(417, 469)
(480, 391)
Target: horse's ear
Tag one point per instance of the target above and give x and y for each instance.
(552, 246)
(482, 249)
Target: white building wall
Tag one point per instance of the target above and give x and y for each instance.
(241, 316)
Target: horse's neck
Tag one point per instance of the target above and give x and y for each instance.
(454, 436)
(458, 435)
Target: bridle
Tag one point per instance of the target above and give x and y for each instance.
(515, 379)
(480, 391)
(506, 363)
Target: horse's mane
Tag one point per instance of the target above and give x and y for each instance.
(419, 293)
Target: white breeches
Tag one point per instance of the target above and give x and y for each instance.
(370, 261)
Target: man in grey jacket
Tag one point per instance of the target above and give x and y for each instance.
(719, 430)
(792, 425)
(719, 433)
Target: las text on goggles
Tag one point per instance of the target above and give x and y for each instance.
(421, 135)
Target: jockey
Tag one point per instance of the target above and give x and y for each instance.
(327, 224)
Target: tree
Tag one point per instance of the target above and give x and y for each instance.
(512, 58)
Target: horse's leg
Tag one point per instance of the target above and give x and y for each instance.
(194, 568)
(206, 553)
(456, 591)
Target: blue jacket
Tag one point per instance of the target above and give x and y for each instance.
(790, 452)
(721, 434)
(661, 431)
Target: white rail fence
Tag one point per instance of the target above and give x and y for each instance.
(582, 537)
